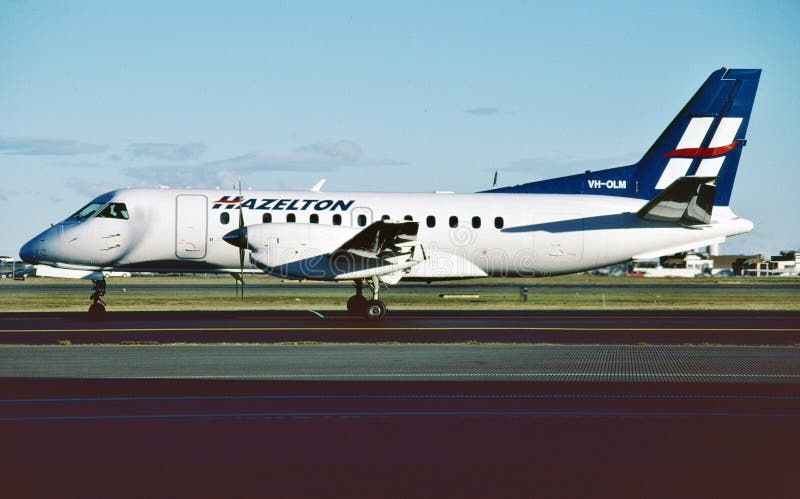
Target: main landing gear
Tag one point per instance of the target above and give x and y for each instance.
(97, 309)
(371, 309)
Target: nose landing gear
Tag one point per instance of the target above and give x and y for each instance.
(359, 305)
(97, 309)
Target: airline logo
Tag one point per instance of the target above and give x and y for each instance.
(229, 203)
(688, 149)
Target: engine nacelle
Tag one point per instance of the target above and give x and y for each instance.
(293, 249)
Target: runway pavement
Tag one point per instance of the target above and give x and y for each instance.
(223, 438)
(358, 362)
(445, 404)
(415, 345)
(405, 326)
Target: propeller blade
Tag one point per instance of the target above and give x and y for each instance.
(241, 269)
(243, 246)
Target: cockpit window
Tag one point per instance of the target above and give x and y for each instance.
(114, 210)
(92, 208)
(87, 211)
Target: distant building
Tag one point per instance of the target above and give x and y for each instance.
(9, 267)
(678, 265)
(6, 265)
(697, 264)
(735, 264)
(785, 264)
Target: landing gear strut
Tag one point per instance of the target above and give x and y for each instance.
(371, 309)
(97, 309)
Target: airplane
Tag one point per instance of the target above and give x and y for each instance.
(675, 198)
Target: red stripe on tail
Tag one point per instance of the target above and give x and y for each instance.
(702, 152)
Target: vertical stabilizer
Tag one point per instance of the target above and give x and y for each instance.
(705, 139)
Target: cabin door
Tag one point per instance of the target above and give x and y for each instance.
(191, 226)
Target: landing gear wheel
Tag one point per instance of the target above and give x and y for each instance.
(375, 309)
(356, 305)
(97, 311)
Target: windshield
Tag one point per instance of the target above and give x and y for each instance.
(87, 211)
(92, 208)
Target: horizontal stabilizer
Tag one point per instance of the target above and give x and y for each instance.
(687, 200)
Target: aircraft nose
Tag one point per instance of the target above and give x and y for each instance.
(29, 252)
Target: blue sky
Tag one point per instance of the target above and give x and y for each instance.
(387, 96)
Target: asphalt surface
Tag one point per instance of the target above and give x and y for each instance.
(360, 362)
(424, 326)
(222, 438)
(432, 412)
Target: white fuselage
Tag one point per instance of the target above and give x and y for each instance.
(169, 230)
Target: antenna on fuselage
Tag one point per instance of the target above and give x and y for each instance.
(241, 250)
(318, 186)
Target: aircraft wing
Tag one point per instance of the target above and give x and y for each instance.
(392, 247)
(688, 201)
(383, 240)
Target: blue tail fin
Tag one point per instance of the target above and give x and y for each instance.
(705, 139)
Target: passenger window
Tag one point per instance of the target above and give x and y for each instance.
(290, 218)
(266, 218)
(498, 222)
(362, 220)
(337, 219)
(476, 222)
(409, 218)
(314, 218)
(385, 217)
(114, 210)
(224, 218)
(453, 222)
(431, 221)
